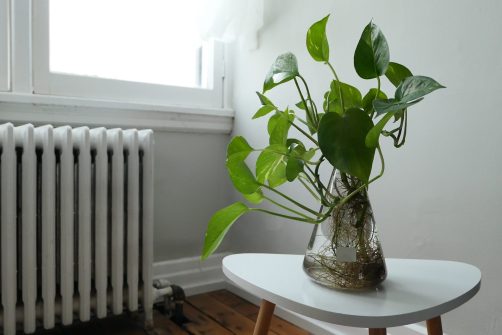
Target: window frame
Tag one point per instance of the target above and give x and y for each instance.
(4, 45)
(58, 84)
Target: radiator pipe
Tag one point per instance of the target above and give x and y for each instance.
(174, 298)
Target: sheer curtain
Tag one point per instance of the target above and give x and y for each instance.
(231, 20)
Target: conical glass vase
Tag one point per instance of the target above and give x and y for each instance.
(344, 251)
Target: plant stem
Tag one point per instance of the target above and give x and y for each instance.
(304, 133)
(314, 195)
(312, 106)
(309, 113)
(284, 216)
(286, 207)
(364, 185)
(289, 199)
(339, 86)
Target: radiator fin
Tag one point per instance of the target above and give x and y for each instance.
(76, 230)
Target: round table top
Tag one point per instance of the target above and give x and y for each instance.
(415, 290)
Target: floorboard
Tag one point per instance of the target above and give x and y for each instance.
(215, 313)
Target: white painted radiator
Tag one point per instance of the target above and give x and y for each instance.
(76, 235)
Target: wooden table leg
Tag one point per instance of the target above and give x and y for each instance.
(377, 331)
(264, 317)
(434, 326)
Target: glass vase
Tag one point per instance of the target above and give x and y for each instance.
(344, 251)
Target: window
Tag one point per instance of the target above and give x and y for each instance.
(145, 51)
(4, 45)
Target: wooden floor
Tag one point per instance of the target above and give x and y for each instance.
(215, 313)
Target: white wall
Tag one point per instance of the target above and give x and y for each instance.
(191, 183)
(441, 195)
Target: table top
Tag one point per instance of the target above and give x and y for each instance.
(415, 290)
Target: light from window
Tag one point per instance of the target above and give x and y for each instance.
(148, 41)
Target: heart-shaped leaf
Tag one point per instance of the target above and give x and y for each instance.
(279, 133)
(392, 105)
(342, 142)
(414, 87)
(367, 103)
(371, 57)
(271, 163)
(351, 97)
(241, 175)
(218, 226)
(374, 133)
(239, 146)
(284, 69)
(396, 73)
(317, 42)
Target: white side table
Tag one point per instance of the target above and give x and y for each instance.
(414, 291)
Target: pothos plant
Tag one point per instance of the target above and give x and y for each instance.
(344, 131)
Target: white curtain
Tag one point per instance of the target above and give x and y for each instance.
(230, 20)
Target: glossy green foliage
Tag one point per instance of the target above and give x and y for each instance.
(372, 95)
(271, 165)
(279, 126)
(415, 87)
(264, 110)
(264, 100)
(409, 92)
(219, 224)
(317, 41)
(241, 176)
(239, 147)
(284, 69)
(342, 141)
(371, 57)
(351, 97)
(396, 73)
(371, 140)
(348, 129)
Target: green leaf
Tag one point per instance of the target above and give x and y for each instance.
(396, 73)
(415, 87)
(218, 226)
(271, 163)
(367, 103)
(391, 105)
(279, 133)
(373, 135)
(317, 42)
(284, 69)
(292, 143)
(241, 175)
(371, 57)
(264, 110)
(264, 100)
(254, 198)
(272, 122)
(351, 97)
(342, 142)
(293, 168)
(239, 146)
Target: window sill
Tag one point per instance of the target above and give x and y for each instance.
(42, 109)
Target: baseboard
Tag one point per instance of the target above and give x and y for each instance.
(197, 277)
(193, 275)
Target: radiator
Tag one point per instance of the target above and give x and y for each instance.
(76, 212)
